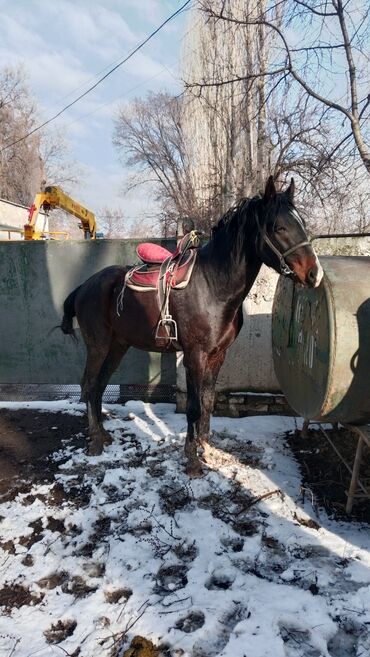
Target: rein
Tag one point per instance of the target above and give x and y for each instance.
(284, 267)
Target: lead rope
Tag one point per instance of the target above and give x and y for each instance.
(119, 306)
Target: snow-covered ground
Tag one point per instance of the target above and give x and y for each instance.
(201, 567)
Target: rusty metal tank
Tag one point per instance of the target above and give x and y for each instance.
(321, 342)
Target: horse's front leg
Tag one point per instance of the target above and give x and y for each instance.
(194, 365)
(201, 375)
(207, 400)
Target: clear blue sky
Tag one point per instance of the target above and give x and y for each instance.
(64, 44)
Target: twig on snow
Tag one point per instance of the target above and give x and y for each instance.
(259, 498)
(118, 637)
(14, 647)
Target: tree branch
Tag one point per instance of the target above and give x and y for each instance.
(313, 10)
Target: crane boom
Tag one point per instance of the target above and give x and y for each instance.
(54, 197)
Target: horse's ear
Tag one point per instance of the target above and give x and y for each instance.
(270, 189)
(291, 189)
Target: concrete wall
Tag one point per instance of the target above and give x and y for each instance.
(12, 214)
(35, 278)
(356, 245)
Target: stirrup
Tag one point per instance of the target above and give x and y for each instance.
(170, 326)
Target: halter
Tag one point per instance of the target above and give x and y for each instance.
(285, 270)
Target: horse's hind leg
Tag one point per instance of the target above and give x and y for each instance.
(112, 361)
(96, 377)
(89, 394)
(84, 385)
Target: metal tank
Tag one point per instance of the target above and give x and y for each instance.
(321, 342)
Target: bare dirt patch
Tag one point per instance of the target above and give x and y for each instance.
(59, 631)
(27, 439)
(325, 477)
(14, 596)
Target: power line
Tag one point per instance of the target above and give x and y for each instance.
(127, 93)
(91, 78)
(115, 100)
(123, 61)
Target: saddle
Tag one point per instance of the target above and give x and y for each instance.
(176, 267)
(162, 271)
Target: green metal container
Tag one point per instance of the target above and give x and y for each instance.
(321, 342)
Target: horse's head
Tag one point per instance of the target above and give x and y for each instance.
(282, 240)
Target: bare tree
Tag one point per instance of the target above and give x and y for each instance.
(348, 207)
(226, 124)
(257, 102)
(21, 167)
(143, 229)
(42, 156)
(284, 128)
(111, 222)
(149, 137)
(330, 33)
(59, 167)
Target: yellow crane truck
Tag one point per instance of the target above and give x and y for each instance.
(49, 199)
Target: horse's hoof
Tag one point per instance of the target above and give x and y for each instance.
(194, 469)
(94, 449)
(107, 440)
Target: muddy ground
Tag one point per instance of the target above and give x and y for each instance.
(28, 438)
(325, 476)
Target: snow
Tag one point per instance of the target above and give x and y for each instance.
(201, 569)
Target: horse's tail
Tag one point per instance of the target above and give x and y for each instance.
(69, 313)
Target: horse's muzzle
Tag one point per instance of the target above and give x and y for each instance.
(308, 272)
(314, 275)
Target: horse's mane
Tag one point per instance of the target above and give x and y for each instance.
(232, 214)
(233, 231)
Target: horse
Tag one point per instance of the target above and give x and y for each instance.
(208, 312)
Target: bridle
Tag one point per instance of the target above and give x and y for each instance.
(285, 270)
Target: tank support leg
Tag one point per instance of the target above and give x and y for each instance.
(354, 478)
(363, 434)
(304, 431)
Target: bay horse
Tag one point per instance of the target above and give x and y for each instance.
(264, 229)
